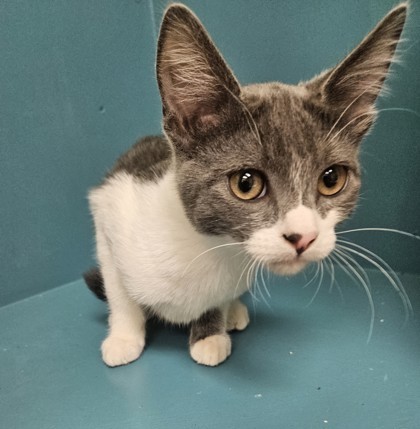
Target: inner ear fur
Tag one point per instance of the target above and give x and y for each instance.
(196, 85)
(349, 90)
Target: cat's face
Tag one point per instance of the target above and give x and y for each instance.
(268, 189)
(272, 166)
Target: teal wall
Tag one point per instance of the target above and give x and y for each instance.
(77, 87)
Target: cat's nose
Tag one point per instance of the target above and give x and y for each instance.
(301, 241)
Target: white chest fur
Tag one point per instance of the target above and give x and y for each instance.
(156, 250)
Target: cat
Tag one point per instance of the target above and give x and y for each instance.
(244, 175)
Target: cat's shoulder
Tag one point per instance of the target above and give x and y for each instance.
(148, 159)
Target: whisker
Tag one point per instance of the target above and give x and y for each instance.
(346, 271)
(262, 271)
(362, 271)
(390, 274)
(321, 266)
(241, 252)
(388, 109)
(398, 286)
(248, 280)
(241, 276)
(340, 264)
(368, 113)
(253, 278)
(331, 270)
(249, 118)
(343, 113)
(399, 109)
(346, 259)
(209, 250)
(395, 231)
(313, 277)
(259, 269)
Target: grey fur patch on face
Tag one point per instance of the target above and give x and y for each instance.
(291, 150)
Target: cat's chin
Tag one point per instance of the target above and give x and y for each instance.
(288, 268)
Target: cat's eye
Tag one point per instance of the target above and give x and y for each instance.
(332, 180)
(248, 184)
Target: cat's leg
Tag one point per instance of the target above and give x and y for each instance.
(237, 317)
(210, 344)
(127, 321)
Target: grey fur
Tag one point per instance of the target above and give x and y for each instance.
(290, 134)
(210, 323)
(148, 159)
(217, 128)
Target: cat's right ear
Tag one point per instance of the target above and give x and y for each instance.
(197, 88)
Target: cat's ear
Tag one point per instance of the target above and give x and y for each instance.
(350, 89)
(196, 86)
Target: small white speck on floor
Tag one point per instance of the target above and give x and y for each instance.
(382, 320)
(325, 421)
(291, 353)
(258, 395)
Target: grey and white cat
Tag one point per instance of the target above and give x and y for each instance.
(244, 175)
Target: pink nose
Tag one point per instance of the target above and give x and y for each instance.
(301, 241)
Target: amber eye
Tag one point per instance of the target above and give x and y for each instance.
(248, 184)
(332, 180)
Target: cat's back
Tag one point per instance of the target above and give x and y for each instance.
(147, 160)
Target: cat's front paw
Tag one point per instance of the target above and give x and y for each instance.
(238, 318)
(120, 351)
(211, 350)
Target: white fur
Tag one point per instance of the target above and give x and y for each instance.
(212, 350)
(151, 257)
(237, 317)
(154, 248)
(269, 245)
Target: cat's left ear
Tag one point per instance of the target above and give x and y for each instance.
(197, 88)
(349, 90)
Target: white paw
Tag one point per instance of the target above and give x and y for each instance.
(238, 318)
(120, 351)
(211, 350)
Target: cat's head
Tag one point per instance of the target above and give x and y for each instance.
(271, 165)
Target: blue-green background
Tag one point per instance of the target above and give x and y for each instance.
(77, 88)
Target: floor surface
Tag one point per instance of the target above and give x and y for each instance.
(296, 366)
